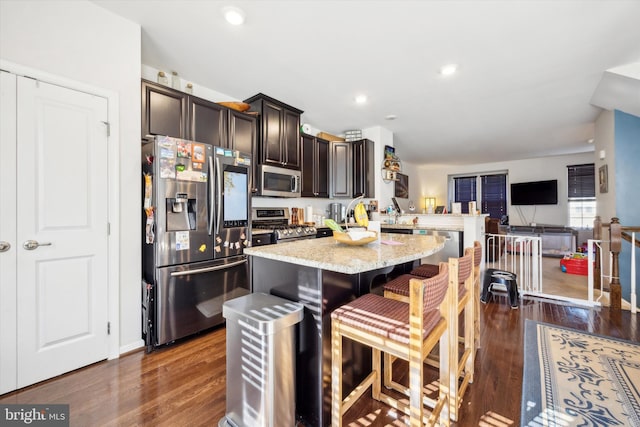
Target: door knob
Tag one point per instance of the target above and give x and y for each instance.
(33, 244)
(4, 246)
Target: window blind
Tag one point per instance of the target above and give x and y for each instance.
(465, 191)
(494, 195)
(581, 182)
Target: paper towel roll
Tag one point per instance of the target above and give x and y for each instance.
(308, 214)
(374, 226)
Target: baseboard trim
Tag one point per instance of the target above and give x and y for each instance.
(136, 345)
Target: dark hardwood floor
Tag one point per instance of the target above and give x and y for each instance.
(184, 385)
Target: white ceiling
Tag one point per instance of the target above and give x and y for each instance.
(527, 69)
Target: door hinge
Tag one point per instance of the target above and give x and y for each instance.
(108, 328)
(108, 125)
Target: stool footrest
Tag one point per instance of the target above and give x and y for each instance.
(353, 397)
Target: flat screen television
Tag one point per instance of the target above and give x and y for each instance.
(535, 193)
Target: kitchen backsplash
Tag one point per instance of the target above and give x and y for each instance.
(319, 206)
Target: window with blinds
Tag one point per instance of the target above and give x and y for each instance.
(490, 191)
(581, 191)
(581, 181)
(465, 191)
(494, 195)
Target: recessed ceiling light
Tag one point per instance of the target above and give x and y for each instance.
(391, 117)
(361, 99)
(233, 15)
(449, 69)
(590, 141)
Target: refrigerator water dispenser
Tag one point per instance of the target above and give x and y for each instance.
(181, 213)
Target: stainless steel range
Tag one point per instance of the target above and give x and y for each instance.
(278, 221)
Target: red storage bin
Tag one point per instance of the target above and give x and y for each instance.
(575, 265)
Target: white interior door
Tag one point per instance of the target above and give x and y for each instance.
(8, 337)
(61, 230)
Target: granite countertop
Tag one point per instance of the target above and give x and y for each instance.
(422, 227)
(328, 254)
(409, 226)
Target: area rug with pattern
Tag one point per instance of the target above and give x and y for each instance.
(574, 378)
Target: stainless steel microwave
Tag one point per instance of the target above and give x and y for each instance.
(278, 182)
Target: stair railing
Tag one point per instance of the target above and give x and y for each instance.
(617, 233)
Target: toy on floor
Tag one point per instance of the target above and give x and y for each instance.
(575, 264)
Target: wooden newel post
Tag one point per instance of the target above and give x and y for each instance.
(615, 239)
(597, 268)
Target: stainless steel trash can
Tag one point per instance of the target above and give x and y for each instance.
(260, 361)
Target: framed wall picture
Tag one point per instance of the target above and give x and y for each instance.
(603, 179)
(389, 152)
(402, 186)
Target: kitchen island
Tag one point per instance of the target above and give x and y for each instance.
(323, 274)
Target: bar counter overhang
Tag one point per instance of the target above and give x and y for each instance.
(323, 274)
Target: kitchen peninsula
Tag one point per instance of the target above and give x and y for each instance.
(323, 274)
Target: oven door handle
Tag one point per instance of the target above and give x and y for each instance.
(208, 269)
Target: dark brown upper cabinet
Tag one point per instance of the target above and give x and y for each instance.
(278, 131)
(363, 168)
(315, 166)
(341, 178)
(164, 111)
(208, 122)
(242, 133)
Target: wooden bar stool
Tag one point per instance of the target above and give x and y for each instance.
(462, 302)
(430, 270)
(477, 288)
(405, 330)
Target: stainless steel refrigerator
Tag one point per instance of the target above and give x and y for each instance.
(196, 223)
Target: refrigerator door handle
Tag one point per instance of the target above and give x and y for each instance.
(211, 196)
(208, 269)
(218, 191)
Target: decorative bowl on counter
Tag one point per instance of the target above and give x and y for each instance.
(345, 238)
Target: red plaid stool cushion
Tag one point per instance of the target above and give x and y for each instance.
(426, 270)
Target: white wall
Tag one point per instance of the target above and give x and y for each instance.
(431, 180)
(83, 42)
(381, 137)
